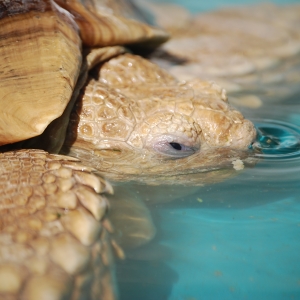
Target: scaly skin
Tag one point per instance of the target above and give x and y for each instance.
(126, 120)
(54, 239)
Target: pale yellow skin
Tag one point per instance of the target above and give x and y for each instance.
(134, 107)
(54, 233)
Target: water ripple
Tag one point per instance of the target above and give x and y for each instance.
(277, 139)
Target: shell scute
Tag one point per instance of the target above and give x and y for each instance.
(41, 48)
(101, 26)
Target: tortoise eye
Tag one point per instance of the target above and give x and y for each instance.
(176, 146)
(173, 146)
(174, 149)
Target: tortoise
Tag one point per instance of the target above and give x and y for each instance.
(126, 118)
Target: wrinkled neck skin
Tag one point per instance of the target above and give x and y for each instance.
(166, 132)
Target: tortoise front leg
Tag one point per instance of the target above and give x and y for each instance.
(54, 239)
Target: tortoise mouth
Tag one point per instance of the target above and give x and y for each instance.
(200, 168)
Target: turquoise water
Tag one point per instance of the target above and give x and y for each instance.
(249, 253)
(239, 239)
(196, 6)
(242, 241)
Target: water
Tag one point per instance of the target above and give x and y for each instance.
(239, 239)
(196, 6)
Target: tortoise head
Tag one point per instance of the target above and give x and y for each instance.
(131, 130)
